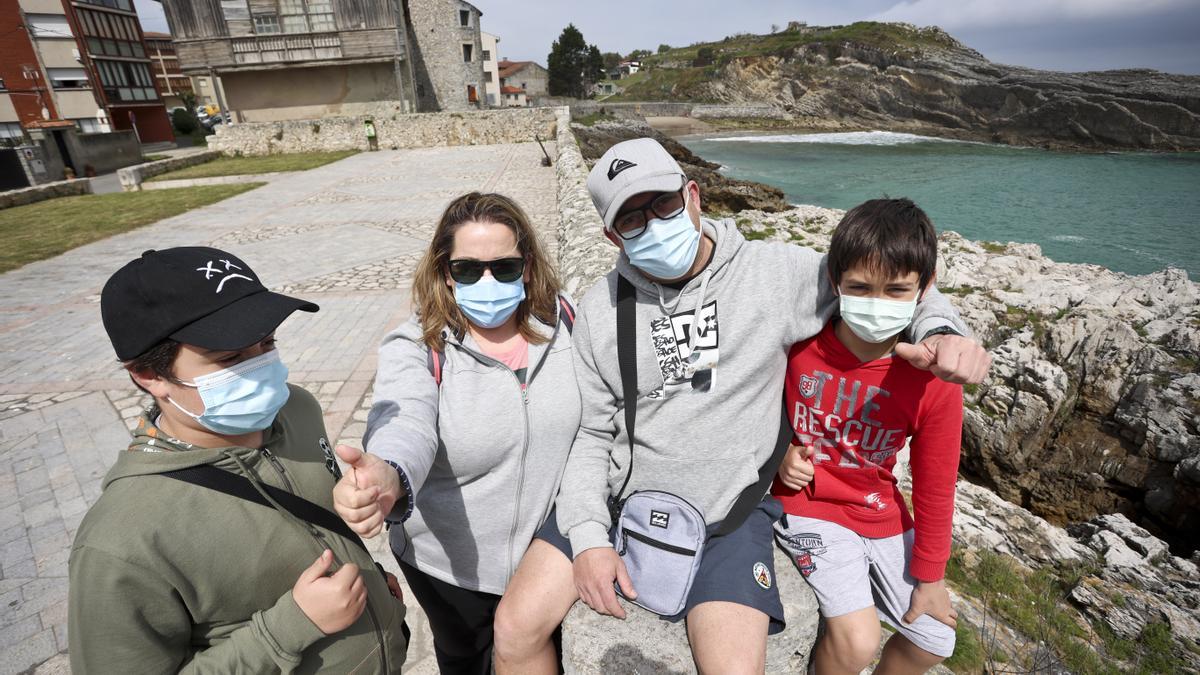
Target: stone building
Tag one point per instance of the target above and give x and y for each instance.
(491, 72)
(527, 76)
(295, 59)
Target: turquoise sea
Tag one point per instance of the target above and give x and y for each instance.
(1131, 212)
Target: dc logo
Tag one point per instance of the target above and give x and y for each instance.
(808, 386)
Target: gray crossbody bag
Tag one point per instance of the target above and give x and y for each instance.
(659, 535)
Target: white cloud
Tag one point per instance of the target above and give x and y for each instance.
(958, 14)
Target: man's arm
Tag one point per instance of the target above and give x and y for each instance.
(934, 454)
(582, 504)
(121, 614)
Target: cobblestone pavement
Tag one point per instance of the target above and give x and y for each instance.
(346, 236)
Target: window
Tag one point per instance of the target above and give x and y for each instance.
(48, 26)
(471, 95)
(295, 23)
(464, 17)
(89, 125)
(67, 78)
(11, 130)
(266, 24)
(467, 53)
(487, 55)
(115, 4)
(320, 15)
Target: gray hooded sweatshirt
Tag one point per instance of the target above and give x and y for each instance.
(480, 457)
(710, 389)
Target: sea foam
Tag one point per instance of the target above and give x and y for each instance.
(841, 138)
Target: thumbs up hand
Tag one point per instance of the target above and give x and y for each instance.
(797, 469)
(367, 492)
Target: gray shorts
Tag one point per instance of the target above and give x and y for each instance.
(849, 572)
(737, 568)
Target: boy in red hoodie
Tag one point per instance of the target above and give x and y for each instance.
(853, 405)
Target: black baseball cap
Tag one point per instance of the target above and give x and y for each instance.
(192, 294)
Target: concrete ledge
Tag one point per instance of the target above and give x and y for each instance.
(37, 193)
(132, 177)
(217, 180)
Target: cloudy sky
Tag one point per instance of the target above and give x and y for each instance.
(1054, 34)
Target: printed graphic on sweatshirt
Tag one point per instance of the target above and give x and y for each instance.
(836, 415)
(681, 367)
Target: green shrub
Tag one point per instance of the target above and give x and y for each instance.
(184, 121)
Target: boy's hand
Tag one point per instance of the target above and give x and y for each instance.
(366, 494)
(932, 598)
(595, 571)
(797, 469)
(332, 602)
(952, 358)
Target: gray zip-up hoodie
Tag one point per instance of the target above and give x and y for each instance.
(481, 456)
(708, 399)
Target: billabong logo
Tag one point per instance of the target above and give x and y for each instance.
(762, 575)
(660, 519)
(808, 386)
(618, 165)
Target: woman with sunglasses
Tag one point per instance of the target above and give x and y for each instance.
(475, 407)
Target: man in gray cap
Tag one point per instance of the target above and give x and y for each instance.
(715, 316)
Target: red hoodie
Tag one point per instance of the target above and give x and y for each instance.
(858, 415)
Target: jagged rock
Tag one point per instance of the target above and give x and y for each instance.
(719, 193)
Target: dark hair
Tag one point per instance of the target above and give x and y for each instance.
(159, 359)
(893, 236)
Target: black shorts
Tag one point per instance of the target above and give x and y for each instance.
(738, 567)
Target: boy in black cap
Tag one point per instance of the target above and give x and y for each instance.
(199, 555)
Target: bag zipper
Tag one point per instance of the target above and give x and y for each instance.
(650, 541)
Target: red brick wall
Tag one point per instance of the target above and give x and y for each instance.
(153, 125)
(16, 51)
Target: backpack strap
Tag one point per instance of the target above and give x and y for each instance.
(235, 485)
(566, 313)
(433, 361)
(627, 360)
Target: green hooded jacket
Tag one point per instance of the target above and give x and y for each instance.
(167, 576)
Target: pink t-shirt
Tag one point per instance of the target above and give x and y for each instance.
(516, 358)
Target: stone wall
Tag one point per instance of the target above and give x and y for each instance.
(584, 254)
(652, 109)
(392, 132)
(37, 193)
(132, 177)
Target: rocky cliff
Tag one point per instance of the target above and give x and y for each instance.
(898, 77)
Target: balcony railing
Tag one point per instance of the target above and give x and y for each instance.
(284, 48)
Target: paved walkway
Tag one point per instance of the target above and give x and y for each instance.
(346, 235)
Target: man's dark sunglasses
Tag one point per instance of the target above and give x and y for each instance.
(632, 224)
(468, 271)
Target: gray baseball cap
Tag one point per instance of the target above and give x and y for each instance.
(630, 168)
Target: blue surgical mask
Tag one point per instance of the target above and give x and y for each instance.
(667, 248)
(488, 303)
(242, 399)
(876, 319)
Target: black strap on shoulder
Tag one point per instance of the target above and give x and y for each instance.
(752, 495)
(566, 314)
(209, 476)
(627, 359)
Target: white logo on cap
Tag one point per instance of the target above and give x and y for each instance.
(209, 271)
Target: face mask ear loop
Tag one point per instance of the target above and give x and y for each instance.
(183, 410)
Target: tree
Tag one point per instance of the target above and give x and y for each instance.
(638, 54)
(774, 28)
(572, 64)
(611, 60)
(704, 57)
(663, 49)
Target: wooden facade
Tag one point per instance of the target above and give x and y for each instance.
(227, 35)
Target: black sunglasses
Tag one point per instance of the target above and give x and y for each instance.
(467, 271)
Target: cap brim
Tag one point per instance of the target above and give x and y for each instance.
(242, 323)
(665, 182)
